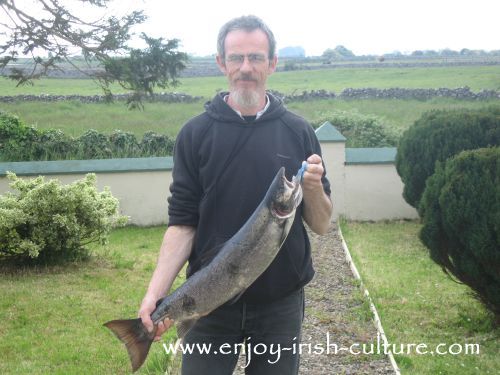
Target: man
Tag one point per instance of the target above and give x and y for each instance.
(224, 161)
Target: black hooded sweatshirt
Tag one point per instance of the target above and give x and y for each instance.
(223, 166)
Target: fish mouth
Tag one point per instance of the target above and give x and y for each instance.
(291, 196)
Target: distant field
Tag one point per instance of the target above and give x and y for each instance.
(75, 118)
(476, 77)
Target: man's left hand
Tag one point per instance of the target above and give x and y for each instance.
(313, 173)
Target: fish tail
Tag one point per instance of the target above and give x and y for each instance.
(135, 337)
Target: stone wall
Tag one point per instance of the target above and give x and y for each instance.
(162, 97)
(464, 93)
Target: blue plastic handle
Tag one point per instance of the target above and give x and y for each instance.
(300, 172)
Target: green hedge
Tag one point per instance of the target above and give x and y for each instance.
(360, 130)
(20, 142)
(460, 211)
(438, 135)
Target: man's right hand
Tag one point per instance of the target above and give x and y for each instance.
(147, 307)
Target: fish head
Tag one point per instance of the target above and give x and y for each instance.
(285, 196)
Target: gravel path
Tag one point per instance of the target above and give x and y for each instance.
(335, 306)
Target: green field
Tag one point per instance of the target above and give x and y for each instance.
(476, 77)
(418, 303)
(74, 118)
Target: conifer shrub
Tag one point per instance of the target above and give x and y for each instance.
(438, 135)
(45, 221)
(460, 211)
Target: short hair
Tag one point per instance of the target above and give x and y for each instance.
(249, 24)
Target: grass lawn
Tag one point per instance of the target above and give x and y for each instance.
(418, 303)
(52, 317)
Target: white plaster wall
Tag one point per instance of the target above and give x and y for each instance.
(359, 192)
(374, 192)
(334, 159)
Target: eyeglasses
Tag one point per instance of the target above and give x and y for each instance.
(253, 58)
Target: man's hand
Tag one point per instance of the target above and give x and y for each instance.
(317, 205)
(147, 307)
(313, 174)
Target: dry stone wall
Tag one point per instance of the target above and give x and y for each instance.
(161, 97)
(464, 93)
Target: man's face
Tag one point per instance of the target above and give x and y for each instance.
(247, 63)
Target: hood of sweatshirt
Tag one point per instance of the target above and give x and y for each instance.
(219, 110)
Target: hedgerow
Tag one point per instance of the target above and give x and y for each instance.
(20, 142)
(360, 130)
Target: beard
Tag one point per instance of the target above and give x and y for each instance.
(246, 98)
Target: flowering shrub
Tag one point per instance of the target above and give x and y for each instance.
(46, 221)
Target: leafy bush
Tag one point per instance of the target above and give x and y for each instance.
(54, 144)
(124, 145)
(438, 135)
(460, 210)
(360, 130)
(93, 145)
(47, 221)
(10, 127)
(154, 144)
(17, 140)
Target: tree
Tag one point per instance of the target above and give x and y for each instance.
(460, 211)
(50, 34)
(338, 53)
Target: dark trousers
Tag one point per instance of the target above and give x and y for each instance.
(268, 333)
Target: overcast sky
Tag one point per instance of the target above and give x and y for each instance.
(363, 26)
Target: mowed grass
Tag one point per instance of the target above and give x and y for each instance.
(52, 317)
(418, 303)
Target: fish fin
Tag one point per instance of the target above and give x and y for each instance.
(235, 299)
(204, 260)
(286, 231)
(184, 326)
(158, 303)
(136, 338)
